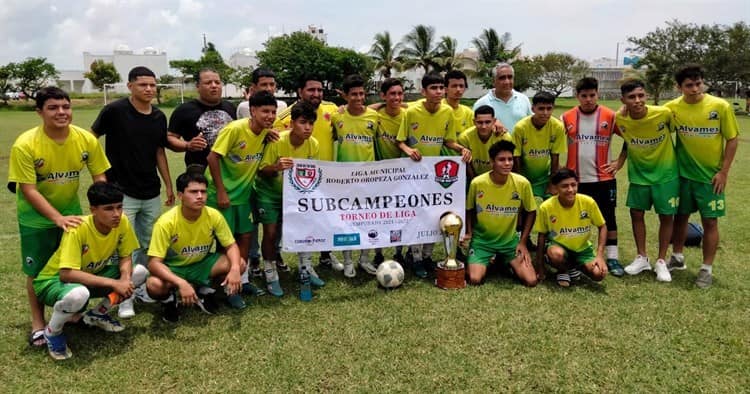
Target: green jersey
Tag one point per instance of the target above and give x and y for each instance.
(270, 188)
(55, 168)
(497, 208)
(570, 227)
(651, 156)
(535, 147)
(463, 116)
(480, 151)
(426, 131)
(356, 135)
(701, 131)
(386, 144)
(241, 151)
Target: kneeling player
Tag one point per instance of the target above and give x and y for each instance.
(564, 226)
(94, 259)
(180, 253)
(493, 204)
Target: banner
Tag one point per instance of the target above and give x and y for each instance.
(365, 205)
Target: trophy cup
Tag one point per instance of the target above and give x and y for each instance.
(450, 273)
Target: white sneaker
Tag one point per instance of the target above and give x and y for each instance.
(367, 266)
(334, 262)
(125, 309)
(638, 265)
(349, 270)
(662, 272)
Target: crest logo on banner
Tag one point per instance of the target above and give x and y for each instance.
(446, 173)
(305, 177)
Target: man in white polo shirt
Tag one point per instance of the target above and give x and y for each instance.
(510, 105)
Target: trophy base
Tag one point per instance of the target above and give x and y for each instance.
(450, 279)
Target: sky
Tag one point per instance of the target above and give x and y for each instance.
(589, 29)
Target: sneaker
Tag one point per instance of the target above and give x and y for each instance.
(141, 294)
(676, 263)
(428, 264)
(170, 313)
(662, 272)
(379, 258)
(105, 322)
(57, 346)
(367, 266)
(315, 279)
(615, 268)
(274, 288)
(207, 303)
(281, 265)
(349, 270)
(575, 274)
(704, 280)
(419, 270)
(236, 301)
(250, 289)
(332, 262)
(256, 272)
(125, 310)
(638, 265)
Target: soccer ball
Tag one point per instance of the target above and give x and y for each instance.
(390, 274)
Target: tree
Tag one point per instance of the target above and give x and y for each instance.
(558, 72)
(384, 53)
(102, 73)
(211, 58)
(493, 49)
(448, 58)
(418, 48)
(242, 77)
(6, 74)
(33, 74)
(164, 79)
(525, 72)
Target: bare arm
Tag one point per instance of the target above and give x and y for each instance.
(720, 179)
(232, 281)
(177, 144)
(411, 152)
(539, 266)
(465, 153)
(222, 199)
(163, 167)
(43, 206)
(471, 221)
(157, 268)
(613, 166)
(122, 286)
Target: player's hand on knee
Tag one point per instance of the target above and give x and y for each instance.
(187, 294)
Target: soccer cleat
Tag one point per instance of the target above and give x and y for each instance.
(676, 263)
(105, 322)
(638, 265)
(274, 288)
(704, 279)
(236, 301)
(349, 270)
(662, 272)
(419, 270)
(575, 274)
(331, 261)
(125, 310)
(57, 346)
(367, 266)
(281, 266)
(251, 289)
(256, 272)
(314, 278)
(170, 313)
(615, 268)
(207, 303)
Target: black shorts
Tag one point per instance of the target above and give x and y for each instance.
(605, 195)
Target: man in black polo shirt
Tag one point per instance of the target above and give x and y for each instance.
(135, 135)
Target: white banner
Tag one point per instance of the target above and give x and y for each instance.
(365, 205)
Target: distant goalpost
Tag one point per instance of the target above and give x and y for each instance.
(109, 87)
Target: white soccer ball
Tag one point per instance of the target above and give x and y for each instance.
(390, 274)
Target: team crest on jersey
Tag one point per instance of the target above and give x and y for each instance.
(29, 260)
(662, 125)
(339, 124)
(515, 196)
(84, 156)
(553, 219)
(305, 177)
(480, 194)
(370, 126)
(584, 215)
(552, 138)
(604, 125)
(174, 238)
(446, 173)
(713, 115)
(84, 249)
(327, 116)
(39, 163)
(569, 126)
(243, 145)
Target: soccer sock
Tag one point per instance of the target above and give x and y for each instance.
(679, 256)
(347, 256)
(139, 275)
(707, 267)
(378, 251)
(244, 277)
(416, 252)
(203, 290)
(364, 255)
(269, 268)
(65, 308)
(611, 249)
(427, 251)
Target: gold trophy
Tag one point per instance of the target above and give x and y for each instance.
(450, 273)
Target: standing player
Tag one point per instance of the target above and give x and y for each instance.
(455, 86)
(652, 172)
(135, 134)
(261, 79)
(707, 141)
(510, 105)
(44, 172)
(296, 143)
(539, 140)
(94, 260)
(356, 130)
(564, 224)
(589, 127)
(180, 254)
(232, 166)
(310, 89)
(493, 204)
(426, 127)
(478, 139)
(194, 126)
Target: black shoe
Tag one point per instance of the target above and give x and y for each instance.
(170, 313)
(379, 258)
(429, 265)
(207, 303)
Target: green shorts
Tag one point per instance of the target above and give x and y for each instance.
(583, 257)
(267, 211)
(51, 290)
(239, 219)
(665, 197)
(699, 196)
(480, 254)
(37, 246)
(540, 191)
(197, 273)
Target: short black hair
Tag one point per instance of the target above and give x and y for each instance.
(103, 193)
(689, 71)
(353, 81)
(431, 79)
(630, 85)
(50, 92)
(501, 146)
(455, 74)
(389, 83)
(306, 77)
(543, 98)
(304, 110)
(197, 75)
(563, 174)
(140, 71)
(587, 83)
(262, 98)
(484, 110)
(190, 176)
(259, 73)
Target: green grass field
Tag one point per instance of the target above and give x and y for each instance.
(624, 335)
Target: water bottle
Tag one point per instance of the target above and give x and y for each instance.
(305, 291)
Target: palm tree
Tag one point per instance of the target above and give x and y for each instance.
(383, 52)
(493, 48)
(418, 48)
(449, 59)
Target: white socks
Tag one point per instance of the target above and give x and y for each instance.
(68, 306)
